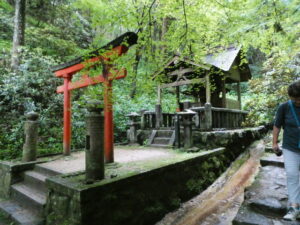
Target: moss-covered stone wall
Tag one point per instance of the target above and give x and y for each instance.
(135, 199)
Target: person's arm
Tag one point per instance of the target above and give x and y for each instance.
(278, 123)
(276, 132)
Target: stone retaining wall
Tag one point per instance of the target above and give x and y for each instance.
(213, 139)
(144, 198)
(141, 198)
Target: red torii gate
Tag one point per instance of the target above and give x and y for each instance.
(105, 55)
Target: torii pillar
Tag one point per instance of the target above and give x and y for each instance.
(105, 55)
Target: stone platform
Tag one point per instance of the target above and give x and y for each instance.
(139, 188)
(122, 154)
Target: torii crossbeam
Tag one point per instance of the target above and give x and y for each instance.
(105, 55)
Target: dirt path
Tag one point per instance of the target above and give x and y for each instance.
(219, 203)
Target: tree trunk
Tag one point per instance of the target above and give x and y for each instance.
(19, 28)
(135, 71)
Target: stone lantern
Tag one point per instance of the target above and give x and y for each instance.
(134, 123)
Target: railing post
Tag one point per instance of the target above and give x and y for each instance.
(94, 156)
(31, 137)
(158, 116)
(133, 123)
(208, 116)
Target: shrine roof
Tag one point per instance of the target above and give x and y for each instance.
(127, 39)
(223, 59)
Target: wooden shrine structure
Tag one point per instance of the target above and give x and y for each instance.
(217, 70)
(104, 57)
(207, 82)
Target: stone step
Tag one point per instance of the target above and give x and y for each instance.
(166, 128)
(246, 216)
(19, 214)
(164, 133)
(270, 159)
(269, 207)
(160, 146)
(40, 168)
(29, 197)
(36, 180)
(161, 140)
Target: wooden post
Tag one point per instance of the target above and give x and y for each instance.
(108, 123)
(208, 116)
(207, 87)
(67, 116)
(178, 96)
(223, 94)
(158, 95)
(238, 87)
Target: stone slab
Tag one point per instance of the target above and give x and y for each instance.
(19, 214)
(270, 159)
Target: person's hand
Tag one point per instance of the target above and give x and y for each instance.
(277, 150)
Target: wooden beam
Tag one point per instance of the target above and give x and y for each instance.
(178, 95)
(183, 82)
(207, 67)
(181, 71)
(107, 56)
(87, 81)
(158, 95)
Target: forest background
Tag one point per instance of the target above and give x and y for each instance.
(56, 31)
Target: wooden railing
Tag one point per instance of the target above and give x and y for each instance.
(206, 118)
(148, 120)
(220, 118)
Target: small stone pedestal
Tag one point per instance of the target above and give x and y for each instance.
(208, 116)
(158, 116)
(94, 155)
(134, 122)
(187, 118)
(31, 137)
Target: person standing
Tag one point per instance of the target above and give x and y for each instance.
(288, 118)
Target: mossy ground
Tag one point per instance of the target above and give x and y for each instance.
(121, 170)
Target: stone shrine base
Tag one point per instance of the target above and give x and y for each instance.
(141, 189)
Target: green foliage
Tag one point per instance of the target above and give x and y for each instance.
(32, 88)
(58, 30)
(6, 26)
(49, 41)
(6, 6)
(269, 90)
